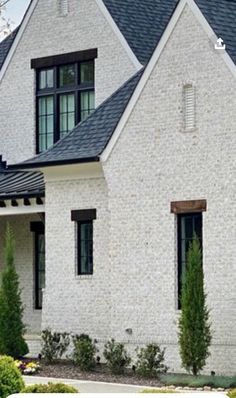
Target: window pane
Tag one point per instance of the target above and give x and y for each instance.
(39, 268)
(42, 106)
(85, 243)
(46, 79)
(71, 103)
(45, 122)
(87, 72)
(63, 103)
(42, 79)
(50, 77)
(187, 225)
(67, 113)
(67, 75)
(50, 105)
(87, 103)
(71, 121)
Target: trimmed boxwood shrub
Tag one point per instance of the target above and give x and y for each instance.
(84, 352)
(116, 356)
(150, 361)
(50, 388)
(11, 381)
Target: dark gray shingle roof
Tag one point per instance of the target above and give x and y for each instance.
(89, 138)
(221, 15)
(142, 22)
(5, 46)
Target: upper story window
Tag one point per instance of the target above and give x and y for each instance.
(65, 94)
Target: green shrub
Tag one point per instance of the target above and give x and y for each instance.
(232, 394)
(50, 388)
(150, 361)
(11, 381)
(116, 357)
(12, 329)
(84, 352)
(54, 345)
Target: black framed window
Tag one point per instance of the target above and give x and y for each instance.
(188, 225)
(84, 220)
(39, 262)
(65, 97)
(85, 247)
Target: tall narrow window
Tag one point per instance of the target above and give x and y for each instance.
(65, 97)
(189, 107)
(84, 226)
(39, 263)
(85, 247)
(188, 225)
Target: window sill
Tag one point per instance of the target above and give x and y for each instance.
(84, 277)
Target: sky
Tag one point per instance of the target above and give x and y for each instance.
(15, 10)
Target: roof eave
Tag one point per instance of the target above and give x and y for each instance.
(40, 165)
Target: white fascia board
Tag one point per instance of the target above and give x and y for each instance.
(153, 61)
(21, 209)
(146, 74)
(118, 33)
(17, 38)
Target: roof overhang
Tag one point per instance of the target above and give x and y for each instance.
(41, 165)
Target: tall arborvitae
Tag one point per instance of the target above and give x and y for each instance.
(11, 309)
(194, 325)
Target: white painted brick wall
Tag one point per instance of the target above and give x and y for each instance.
(154, 163)
(47, 34)
(72, 303)
(24, 263)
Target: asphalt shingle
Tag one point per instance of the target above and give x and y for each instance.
(5, 46)
(88, 139)
(142, 22)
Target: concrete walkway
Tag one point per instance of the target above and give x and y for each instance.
(97, 387)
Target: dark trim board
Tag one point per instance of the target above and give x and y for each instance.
(188, 206)
(63, 59)
(84, 215)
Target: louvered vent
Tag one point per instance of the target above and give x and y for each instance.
(189, 107)
(63, 7)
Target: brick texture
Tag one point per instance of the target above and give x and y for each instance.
(48, 34)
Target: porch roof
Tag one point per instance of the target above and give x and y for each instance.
(19, 184)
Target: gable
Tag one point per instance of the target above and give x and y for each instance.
(153, 127)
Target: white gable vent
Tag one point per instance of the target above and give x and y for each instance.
(189, 107)
(63, 7)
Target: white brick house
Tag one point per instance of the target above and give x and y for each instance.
(152, 163)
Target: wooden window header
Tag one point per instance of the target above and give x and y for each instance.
(188, 206)
(83, 215)
(64, 59)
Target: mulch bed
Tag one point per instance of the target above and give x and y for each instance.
(67, 370)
